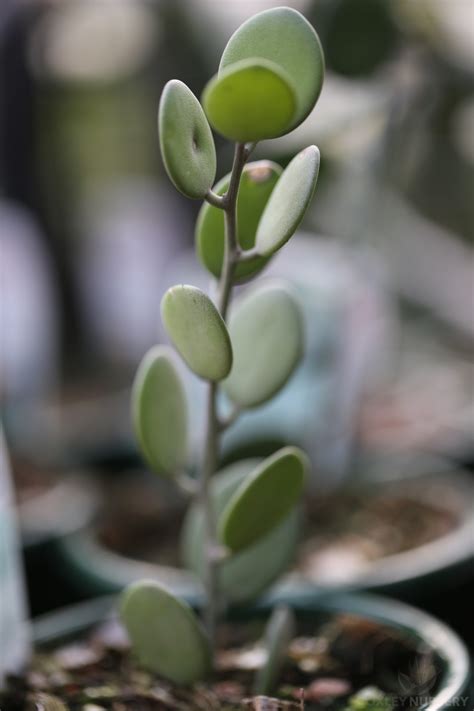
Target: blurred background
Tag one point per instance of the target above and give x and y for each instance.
(92, 233)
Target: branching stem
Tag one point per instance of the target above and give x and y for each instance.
(214, 199)
(248, 255)
(225, 422)
(228, 203)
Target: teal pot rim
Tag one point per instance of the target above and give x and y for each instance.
(64, 624)
(74, 501)
(97, 570)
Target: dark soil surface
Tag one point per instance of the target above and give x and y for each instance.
(326, 667)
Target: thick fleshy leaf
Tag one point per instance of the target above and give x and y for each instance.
(279, 632)
(198, 331)
(263, 499)
(250, 101)
(289, 201)
(186, 140)
(266, 330)
(257, 182)
(246, 574)
(159, 411)
(282, 35)
(165, 633)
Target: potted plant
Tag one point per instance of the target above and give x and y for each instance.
(242, 522)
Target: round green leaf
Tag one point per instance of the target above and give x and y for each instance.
(257, 182)
(283, 36)
(263, 499)
(250, 100)
(198, 331)
(246, 574)
(159, 411)
(266, 330)
(186, 141)
(279, 632)
(165, 633)
(288, 202)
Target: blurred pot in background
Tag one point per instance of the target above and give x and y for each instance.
(135, 536)
(427, 406)
(411, 536)
(52, 503)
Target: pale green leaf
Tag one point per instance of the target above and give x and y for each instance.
(279, 632)
(165, 634)
(263, 499)
(159, 411)
(198, 331)
(283, 36)
(186, 141)
(250, 100)
(289, 201)
(246, 574)
(266, 330)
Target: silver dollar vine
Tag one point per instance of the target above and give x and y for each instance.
(241, 527)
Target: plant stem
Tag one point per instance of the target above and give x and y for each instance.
(208, 468)
(212, 438)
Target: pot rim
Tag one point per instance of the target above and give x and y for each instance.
(67, 622)
(75, 500)
(451, 550)
(448, 551)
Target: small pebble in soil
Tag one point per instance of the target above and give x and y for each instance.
(265, 703)
(327, 688)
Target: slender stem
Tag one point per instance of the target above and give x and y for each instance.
(186, 484)
(248, 254)
(225, 422)
(211, 448)
(208, 469)
(214, 199)
(231, 247)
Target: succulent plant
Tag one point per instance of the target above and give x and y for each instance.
(241, 528)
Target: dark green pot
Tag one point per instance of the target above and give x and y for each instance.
(453, 691)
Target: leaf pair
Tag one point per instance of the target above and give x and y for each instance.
(255, 357)
(245, 574)
(160, 626)
(251, 500)
(269, 78)
(270, 206)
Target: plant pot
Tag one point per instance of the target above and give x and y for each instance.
(88, 426)
(52, 503)
(61, 504)
(394, 509)
(449, 690)
(410, 574)
(136, 505)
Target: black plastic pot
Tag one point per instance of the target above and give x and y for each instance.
(453, 687)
